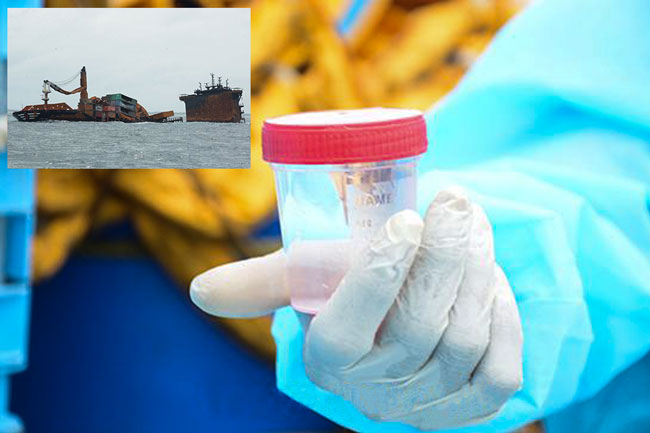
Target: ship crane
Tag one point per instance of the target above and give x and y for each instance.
(83, 87)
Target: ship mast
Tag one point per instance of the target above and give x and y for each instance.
(212, 75)
(83, 83)
(46, 91)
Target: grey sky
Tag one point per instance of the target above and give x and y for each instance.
(152, 55)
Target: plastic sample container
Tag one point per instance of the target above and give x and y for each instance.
(339, 176)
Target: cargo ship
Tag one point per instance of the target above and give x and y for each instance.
(112, 107)
(214, 102)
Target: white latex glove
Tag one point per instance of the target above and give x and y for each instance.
(423, 329)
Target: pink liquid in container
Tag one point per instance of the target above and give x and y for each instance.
(339, 176)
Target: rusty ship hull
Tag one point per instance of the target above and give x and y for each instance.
(214, 103)
(44, 113)
(35, 116)
(36, 113)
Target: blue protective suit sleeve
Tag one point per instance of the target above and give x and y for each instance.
(622, 406)
(550, 132)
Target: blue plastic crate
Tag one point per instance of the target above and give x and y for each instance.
(14, 316)
(16, 226)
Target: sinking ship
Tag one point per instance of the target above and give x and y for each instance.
(113, 107)
(214, 102)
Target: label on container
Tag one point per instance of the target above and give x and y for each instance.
(371, 201)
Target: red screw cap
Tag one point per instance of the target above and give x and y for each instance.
(344, 136)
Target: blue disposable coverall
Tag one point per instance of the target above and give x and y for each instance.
(550, 132)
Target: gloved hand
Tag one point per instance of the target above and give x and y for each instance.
(423, 329)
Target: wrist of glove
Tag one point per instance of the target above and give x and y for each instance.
(423, 329)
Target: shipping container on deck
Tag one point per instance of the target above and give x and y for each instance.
(121, 97)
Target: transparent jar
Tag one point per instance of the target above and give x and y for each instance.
(339, 176)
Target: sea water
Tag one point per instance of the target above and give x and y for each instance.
(62, 144)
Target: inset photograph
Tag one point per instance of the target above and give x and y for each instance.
(128, 88)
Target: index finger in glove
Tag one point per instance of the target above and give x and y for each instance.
(345, 328)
